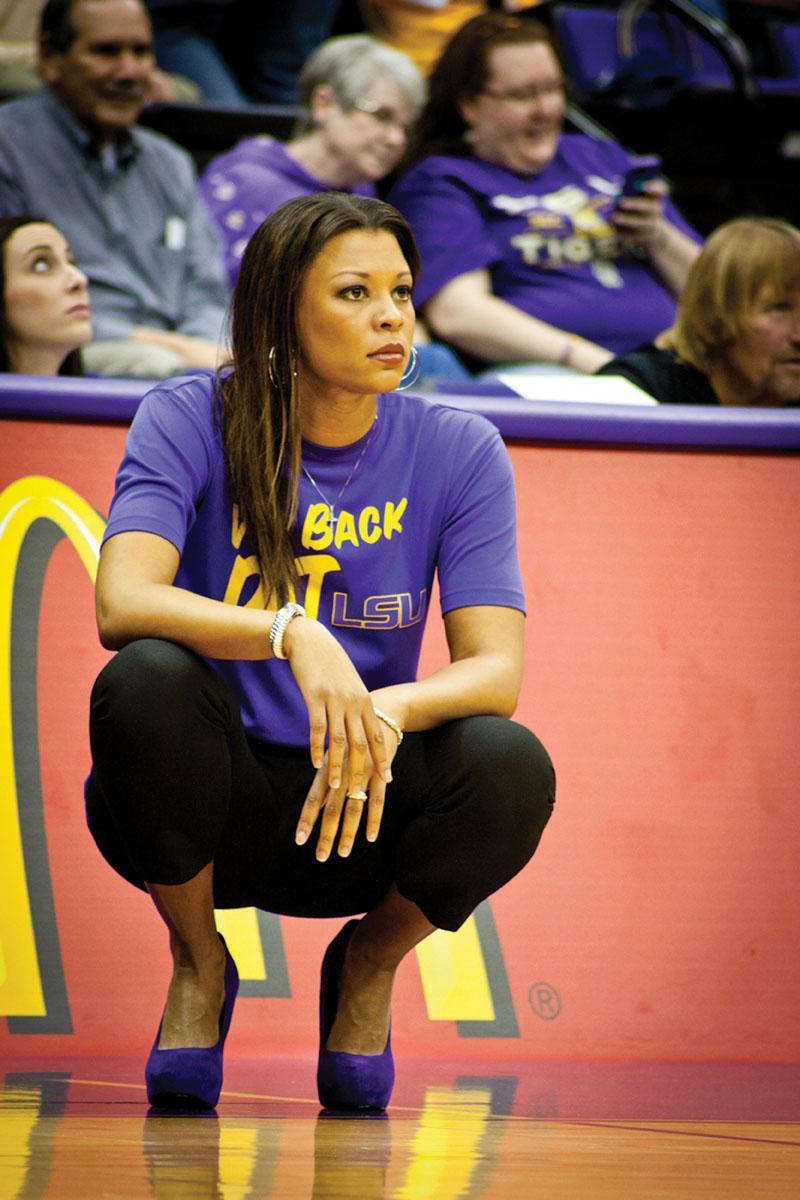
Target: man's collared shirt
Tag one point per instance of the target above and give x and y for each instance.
(131, 214)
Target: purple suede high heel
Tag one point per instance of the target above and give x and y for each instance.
(344, 1080)
(192, 1077)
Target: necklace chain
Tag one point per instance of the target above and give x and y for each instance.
(332, 518)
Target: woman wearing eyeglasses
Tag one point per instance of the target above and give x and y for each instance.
(530, 253)
(360, 97)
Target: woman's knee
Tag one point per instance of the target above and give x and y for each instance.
(145, 664)
(497, 747)
(148, 679)
(490, 796)
(512, 769)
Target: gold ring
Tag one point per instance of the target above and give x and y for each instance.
(362, 796)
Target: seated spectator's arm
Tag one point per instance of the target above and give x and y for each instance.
(642, 225)
(194, 352)
(466, 313)
(206, 292)
(672, 256)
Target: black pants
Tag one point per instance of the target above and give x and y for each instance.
(176, 783)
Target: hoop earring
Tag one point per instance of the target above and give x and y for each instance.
(271, 371)
(411, 373)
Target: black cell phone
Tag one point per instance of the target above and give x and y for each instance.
(640, 173)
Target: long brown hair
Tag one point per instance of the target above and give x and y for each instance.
(461, 73)
(258, 402)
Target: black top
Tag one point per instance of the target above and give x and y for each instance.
(662, 375)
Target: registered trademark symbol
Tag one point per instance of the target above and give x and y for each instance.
(544, 1000)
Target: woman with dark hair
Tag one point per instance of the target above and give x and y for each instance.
(265, 575)
(44, 300)
(530, 249)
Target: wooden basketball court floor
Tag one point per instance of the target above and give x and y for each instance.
(562, 1131)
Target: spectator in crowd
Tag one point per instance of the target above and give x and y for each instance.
(736, 339)
(44, 300)
(529, 253)
(240, 51)
(19, 28)
(360, 98)
(125, 197)
(420, 30)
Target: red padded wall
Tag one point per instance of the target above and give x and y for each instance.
(659, 918)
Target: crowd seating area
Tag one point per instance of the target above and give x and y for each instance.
(719, 107)
(718, 101)
(206, 130)
(663, 78)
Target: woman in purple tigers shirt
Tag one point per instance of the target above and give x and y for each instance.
(529, 253)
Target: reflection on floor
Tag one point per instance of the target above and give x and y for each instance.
(565, 1131)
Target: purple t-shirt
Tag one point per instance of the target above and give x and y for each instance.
(433, 493)
(546, 239)
(242, 187)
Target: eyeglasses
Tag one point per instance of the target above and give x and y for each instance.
(525, 95)
(383, 114)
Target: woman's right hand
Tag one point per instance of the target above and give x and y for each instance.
(339, 706)
(336, 810)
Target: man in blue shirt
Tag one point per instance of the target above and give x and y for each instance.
(124, 197)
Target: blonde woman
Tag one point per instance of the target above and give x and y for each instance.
(736, 339)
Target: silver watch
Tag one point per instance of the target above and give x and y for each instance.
(282, 618)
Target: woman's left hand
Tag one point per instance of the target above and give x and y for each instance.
(639, 220)
(337, 807)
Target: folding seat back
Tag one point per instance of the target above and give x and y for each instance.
(635, 53)
(785, 39)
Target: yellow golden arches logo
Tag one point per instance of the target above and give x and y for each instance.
(463, 975)
(22, 504)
